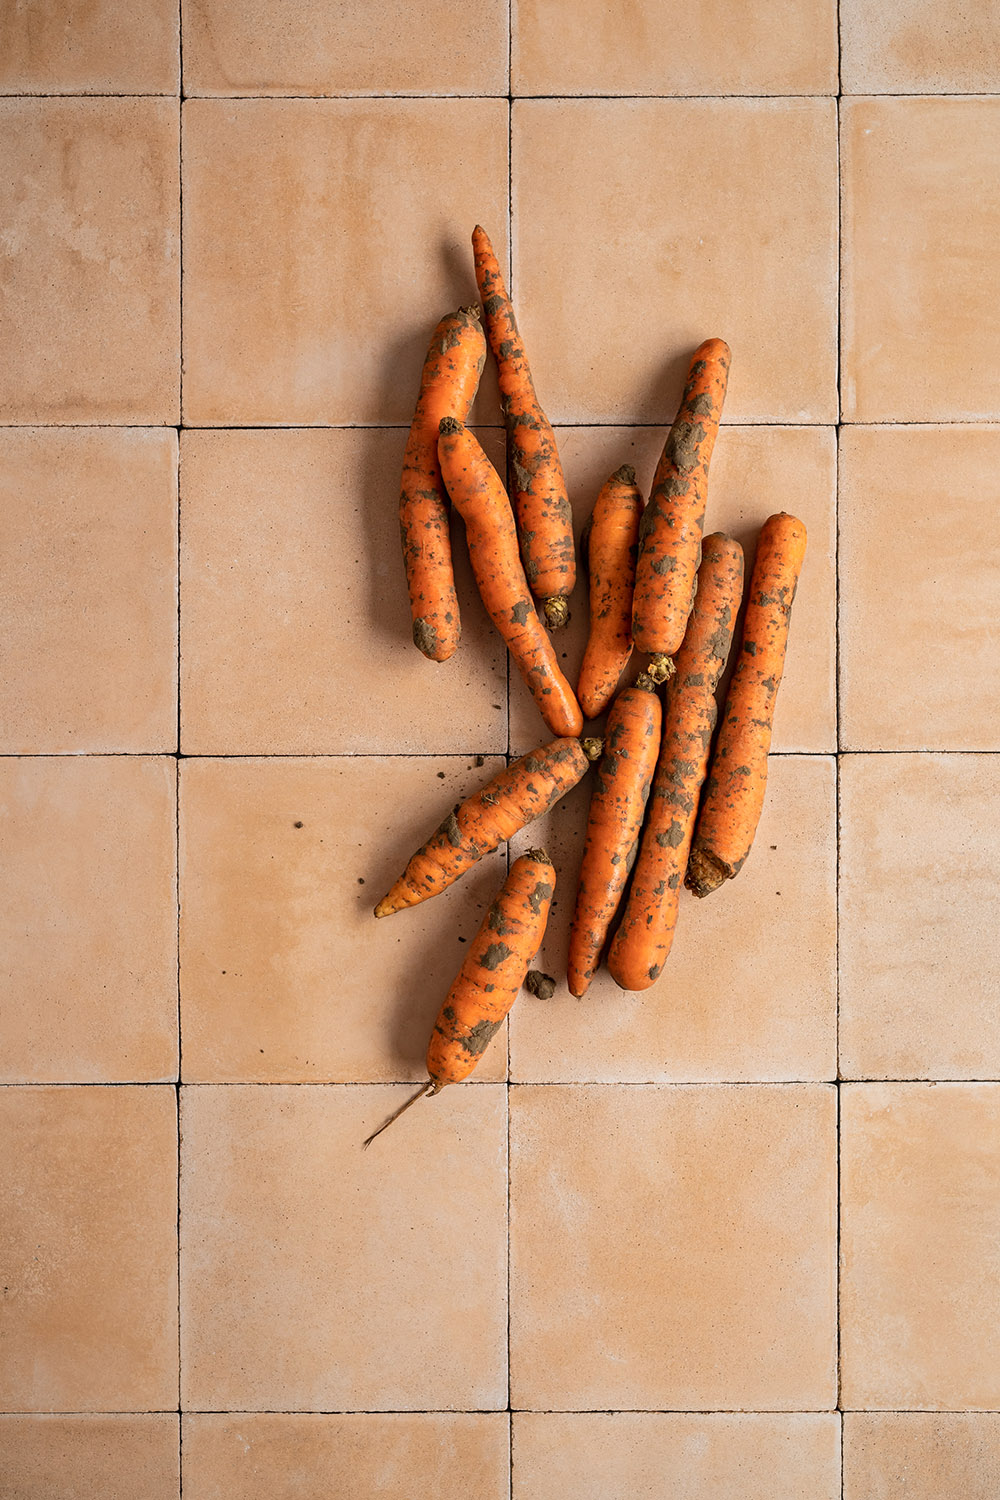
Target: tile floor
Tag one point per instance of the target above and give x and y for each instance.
(734, 1238)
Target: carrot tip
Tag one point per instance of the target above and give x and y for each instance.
(660, 668)
(556, 611)
(449, 425)
(384, 909)
(624, 475)
(705, 872)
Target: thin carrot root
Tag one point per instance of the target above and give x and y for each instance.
(430, 1088)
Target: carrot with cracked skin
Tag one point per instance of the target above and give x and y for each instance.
(611, 542)
(670, 533)
(448, 383)
(515, 797)
(646, 932)
(617, 805)
(538, 489)
(481, 500)
(737, 779)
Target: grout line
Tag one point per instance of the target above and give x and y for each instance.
(610, 424)
(541, 1411)
(510, 283)
(495, 754)
(506, 1083)
(180, 409)
(837, 722)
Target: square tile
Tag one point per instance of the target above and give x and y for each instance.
(920, 1245)
(294, 605)
(627, 257)
(316, 1276)
(90, 261)
(90, 1458)
(921, 1455)
(89, 47)
(88, 920)
(323, 240)
(934, 680)
(285, 974)
(673, 1247)
(919, 47)
(88, 1252)
(88, 573)
(920, 330)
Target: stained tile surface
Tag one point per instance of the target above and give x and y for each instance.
(919, 47)
(921, 1455)
(90, 1457)
(89, 47)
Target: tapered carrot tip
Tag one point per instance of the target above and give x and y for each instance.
(705, 873)
(660, 668)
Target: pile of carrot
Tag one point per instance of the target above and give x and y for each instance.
(676, 796)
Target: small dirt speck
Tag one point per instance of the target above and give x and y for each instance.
(480, 760)
(440, 776)
(361, 880)
(298, 825)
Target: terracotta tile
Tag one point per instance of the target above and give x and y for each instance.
(88, 1251)
(294, 605)
(90, 261)
(920, 1231)
(453, 1456)
(316, 1276)
(88, 573)
(627, 257)
(89, 47)
(323, 239)
(921, 227)
(938, 626)
(921, 1456)
(277, 932)
(720, 1291)
(305, 47)
(920, 47)
(90, 1458)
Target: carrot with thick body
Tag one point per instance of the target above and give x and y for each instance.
(737, 780)
(480, 498)
(612, 539)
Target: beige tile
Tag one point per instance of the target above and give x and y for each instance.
(90, 262)
(88, 1249)
(921, 1456)
(89, 1457)
(316, 1276)
(919, 47)
(295, 625)
(673, 1247)
(88, 574)
(395, 1455)
(285, 974)
(921, 229)
(323, 239)
(920, 1245)
(89, 47)
(919, 599)
(630, 254)
(306, 47)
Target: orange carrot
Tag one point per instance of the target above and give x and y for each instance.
(670, 534)
(448, 384)
(538, 489)
(479, 497)
(611, 540)
(640, 946)
(734, 792)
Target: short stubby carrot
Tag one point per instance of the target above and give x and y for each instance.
(537, 486)
(448, 384)
(519, 794)
(611, 541)
(480, 498)
(621, 786)
(670, 533)
(646, 932)
(734, 792)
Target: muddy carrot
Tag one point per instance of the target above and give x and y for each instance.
(734, 792)
(612, 538)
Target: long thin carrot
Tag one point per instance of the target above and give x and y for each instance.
(670, 534)
(538, 488)
(612, 540)
(480, 498)
(448, 384)
(734, 793)
(514, 798)
(646, 932)
(621, 786)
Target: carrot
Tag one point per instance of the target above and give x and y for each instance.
(645, 934)
(734, 793)
(538, 489)
(670, 534)
(448, 383)
(515, 797)
(631, 741)
(611, 541)
(491, 976)
(479, 497)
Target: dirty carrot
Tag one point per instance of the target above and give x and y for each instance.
(645, 934)
(621, 786)
(491, 976)
(670, 533)
(480, 498)
(519, 794)
(734, 792)
(448, 384)
(611, 542)
(538, 488)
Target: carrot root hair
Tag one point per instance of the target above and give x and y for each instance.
(430, 1088)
